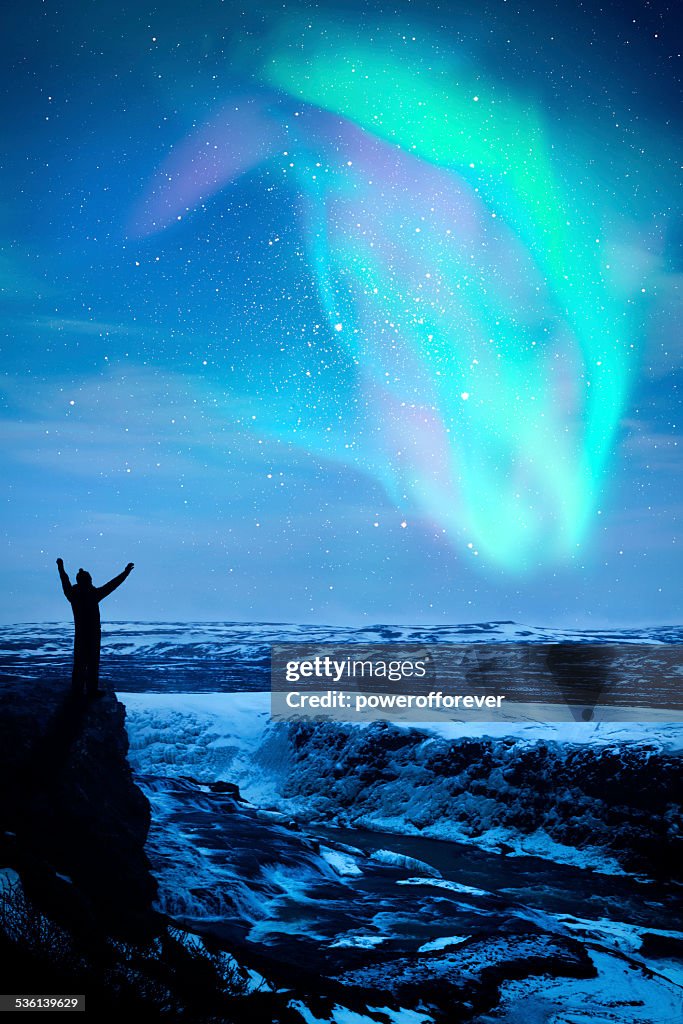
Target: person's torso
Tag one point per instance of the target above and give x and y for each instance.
(85, 606)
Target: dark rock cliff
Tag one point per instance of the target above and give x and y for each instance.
(73, 824)
(620, 800)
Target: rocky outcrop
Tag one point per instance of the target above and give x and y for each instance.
(73, 822)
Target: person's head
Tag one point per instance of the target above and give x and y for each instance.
(83, 578)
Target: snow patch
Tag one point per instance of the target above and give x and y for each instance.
(343, 863)
(442, 883)
(443, 943)
(398, 860)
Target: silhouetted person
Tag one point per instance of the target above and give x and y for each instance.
(85, 604)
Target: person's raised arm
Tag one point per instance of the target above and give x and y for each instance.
(66, 582)
(106, 589)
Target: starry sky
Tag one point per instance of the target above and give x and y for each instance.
(343, 313)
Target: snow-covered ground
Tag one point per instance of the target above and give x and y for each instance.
(181, 639)
(195, 723)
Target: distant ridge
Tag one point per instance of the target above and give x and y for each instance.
(230, 656)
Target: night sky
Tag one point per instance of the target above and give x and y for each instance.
(343, 313)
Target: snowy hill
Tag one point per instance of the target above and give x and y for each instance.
(231, 656)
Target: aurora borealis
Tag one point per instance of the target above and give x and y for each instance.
(388, 294)
(455, 271)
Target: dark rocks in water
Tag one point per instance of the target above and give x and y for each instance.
(74, 822)
(453, 986)
(229, 788)
(662, 945)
